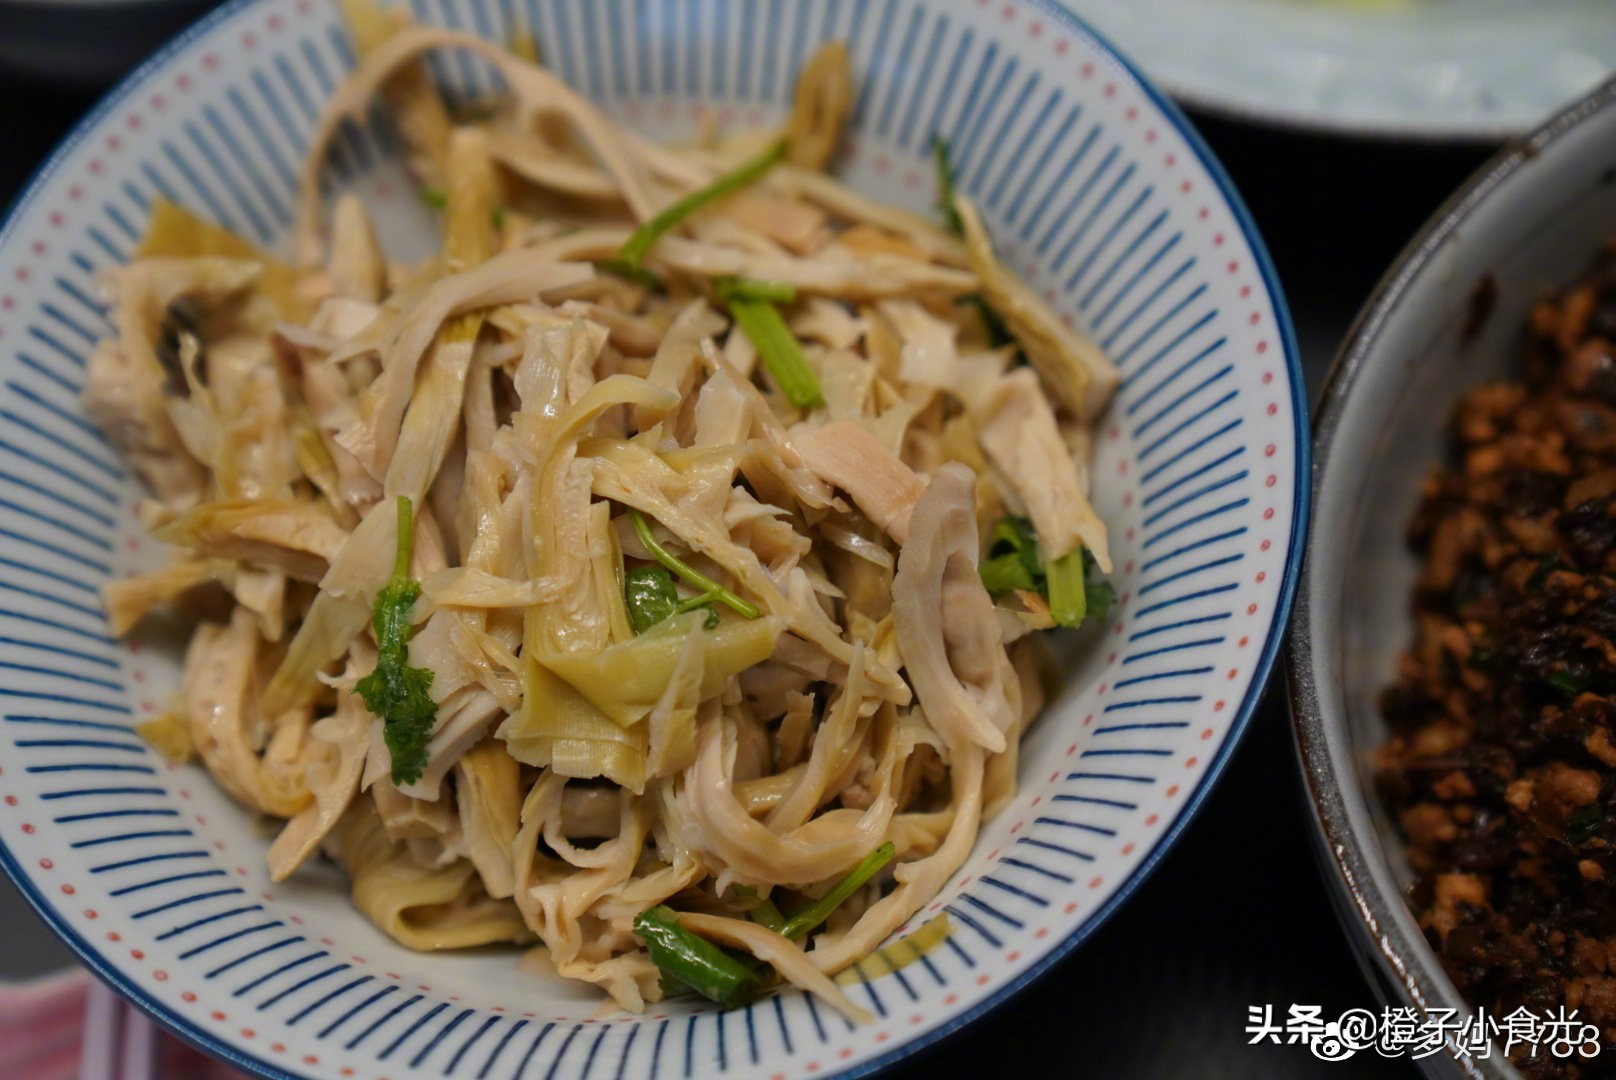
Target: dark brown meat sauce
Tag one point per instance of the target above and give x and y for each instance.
(1501, 770)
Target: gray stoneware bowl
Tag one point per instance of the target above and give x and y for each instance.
(1449, 315)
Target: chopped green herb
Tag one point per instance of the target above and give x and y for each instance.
(805, 919)
(779, 350)
(940, 157)
(1014, 561)
(1568, 682)
(1585, 824)
(1100, 595)
(690, 960)
(744, 288)
(639, 243)
(752, 303)
(639, 275)
(395, 691)
(1068, 592)
(768, 915)
(1015, 535)
(1006, 573)
(650, 596)
(712, 591)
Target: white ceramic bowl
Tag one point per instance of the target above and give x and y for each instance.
(1096, 189)
(1532, 219)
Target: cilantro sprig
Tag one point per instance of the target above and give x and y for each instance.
(395, 691)
(650, 596)
(1014, 561)
(710, 589)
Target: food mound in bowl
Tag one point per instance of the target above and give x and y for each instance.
(655, 575)
(1501, 769)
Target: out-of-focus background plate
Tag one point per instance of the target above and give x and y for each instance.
(1430, 69)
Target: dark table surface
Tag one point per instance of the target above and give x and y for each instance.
(1237, 913)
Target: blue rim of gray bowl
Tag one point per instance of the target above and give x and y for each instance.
(202, 1040)
(1409, 968)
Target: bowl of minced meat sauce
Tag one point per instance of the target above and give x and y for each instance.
(1453, 663)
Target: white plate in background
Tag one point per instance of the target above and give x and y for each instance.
(1429, 69)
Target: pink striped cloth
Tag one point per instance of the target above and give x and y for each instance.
(69, 1026)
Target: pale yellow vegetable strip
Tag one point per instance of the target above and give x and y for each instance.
(174, 231)
(358, 267)
(340, 611)
(912, 231)
(128, 600)
(283, 534)
(488, 797)
(434, 410)
(558, 726)
(523, 44)
(807, 790)
(920, 880)
(542, 166)
(1080, 375)
(511, 276)
(1019, 433)
(625, 681)
(832, 271)
(534, 88)
(823, 99)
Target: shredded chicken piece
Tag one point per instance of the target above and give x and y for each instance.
(936, 594)
(845, 454)
(1019, 434)
(334, 779)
